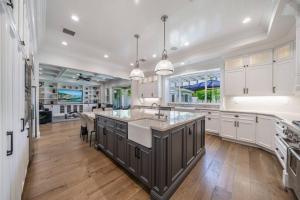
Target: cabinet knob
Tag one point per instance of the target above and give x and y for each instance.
(276, 149)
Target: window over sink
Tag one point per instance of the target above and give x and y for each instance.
(198, 87)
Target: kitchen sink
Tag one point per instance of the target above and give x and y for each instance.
(140, 131)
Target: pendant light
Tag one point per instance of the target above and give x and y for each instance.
(137, 73)
(164, 66)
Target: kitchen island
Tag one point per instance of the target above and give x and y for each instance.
(159, 151)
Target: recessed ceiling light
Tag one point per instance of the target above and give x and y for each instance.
(182, 63)
(154, 55)
(247, 20)
(105, 56)
(186, 44)
(64, 43)
(75, 18)
(131, 64)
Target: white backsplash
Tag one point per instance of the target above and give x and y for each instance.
(269, 103)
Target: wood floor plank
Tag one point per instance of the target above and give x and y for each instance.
(66, 168)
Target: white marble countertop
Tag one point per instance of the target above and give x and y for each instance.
(173, 119)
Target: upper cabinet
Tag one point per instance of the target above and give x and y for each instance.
(150, 87)
(268, 72)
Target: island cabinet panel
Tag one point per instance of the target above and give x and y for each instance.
(144, 165)
(100, 136)
(190, 142)
(120, 150)
(177, 137)
(132, 162)
(139, 162)
(110, 141)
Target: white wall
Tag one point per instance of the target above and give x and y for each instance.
(273, 103)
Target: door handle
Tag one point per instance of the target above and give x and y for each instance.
(23, 124)
(10, 152)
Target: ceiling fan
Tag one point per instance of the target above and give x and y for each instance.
(81, 77)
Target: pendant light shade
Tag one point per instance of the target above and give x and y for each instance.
(137, 73)
(164, 66)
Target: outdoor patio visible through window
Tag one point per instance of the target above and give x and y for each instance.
(200, 87)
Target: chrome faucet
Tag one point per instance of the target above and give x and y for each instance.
(159, 114)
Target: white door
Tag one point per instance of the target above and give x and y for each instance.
(265, 131)
(235, 82)
(284, 77)
(259, 80)
(212, 124)
(245, 131)
(228, 129)
(7, 42)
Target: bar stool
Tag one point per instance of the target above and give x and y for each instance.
(91, 128)
(83, 128)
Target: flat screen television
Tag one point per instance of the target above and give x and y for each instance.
(69, 96)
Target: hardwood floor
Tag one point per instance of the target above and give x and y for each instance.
(65, 168)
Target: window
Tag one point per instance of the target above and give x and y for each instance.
(200, 87)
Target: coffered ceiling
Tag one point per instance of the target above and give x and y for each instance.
(106, 27)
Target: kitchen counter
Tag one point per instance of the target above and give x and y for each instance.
(170, 119)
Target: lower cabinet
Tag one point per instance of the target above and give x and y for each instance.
(238, 127)
(265, 131)
(212, 124)
(190, 142)
(139, 162)
(110, 141)
(120, 150)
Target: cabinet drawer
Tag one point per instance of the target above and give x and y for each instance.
(280, 153)
(212, 113)
(241, 116)
(121, 126)
(109, 122)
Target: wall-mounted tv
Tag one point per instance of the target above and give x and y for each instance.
(69, 96)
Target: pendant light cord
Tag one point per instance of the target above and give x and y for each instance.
(164, 35)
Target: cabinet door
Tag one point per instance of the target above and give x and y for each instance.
(190, 143)
(234, 63)
(144, 165)
(132, 162)
(245, 131)
(101, 138)
(121, 148)
(284, 77)
(259, 80)
(212, 124)
(228, 129)
(265, 131)
(110, 141)
(177, 138)
(284, 52)
(200, 135)
(260, 58)
(235, 82)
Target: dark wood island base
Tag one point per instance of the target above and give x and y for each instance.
(161, 168)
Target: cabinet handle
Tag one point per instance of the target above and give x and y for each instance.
(190, 132)
(247, 90)
(282, 158)
(23, 124)
(238, 124)
(10, 152)
(244, 90)
(209, 112)
(208, 118)
(256, 119)
(274, 61)
(120, 138)
(234, 123)
(276, 149)
(236, 116)
(137, 152)
(277, 134)
(10, 4)
(274, 89)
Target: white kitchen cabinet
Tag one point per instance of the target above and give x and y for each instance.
(284, 76)
(265, 131)
(238, 127)
(268, 72)
(235, 82)
(259, 80)
(228, 129)
(245, 131)
(212, 121)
